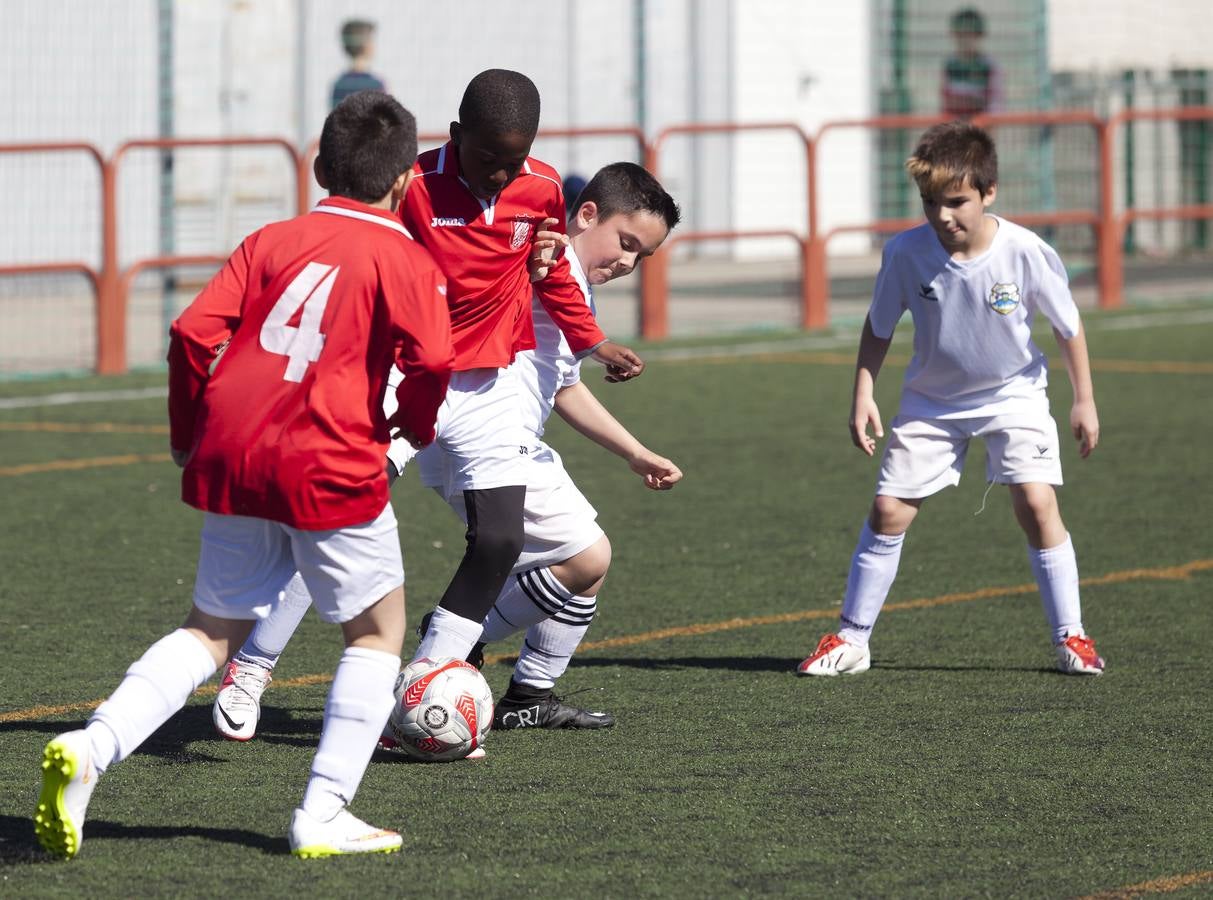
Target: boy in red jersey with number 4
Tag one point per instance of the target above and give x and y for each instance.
(277, 373)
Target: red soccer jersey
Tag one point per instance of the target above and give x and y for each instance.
(287, 422)
(482, 247)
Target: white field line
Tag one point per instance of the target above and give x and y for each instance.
(676, 354)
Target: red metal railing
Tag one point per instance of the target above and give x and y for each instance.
(111, 285)
(819, 283)
(94, 277)
(654, 321)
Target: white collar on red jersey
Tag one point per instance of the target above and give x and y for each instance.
(336, 206)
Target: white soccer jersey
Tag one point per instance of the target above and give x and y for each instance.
(551, 365)
(973, 348)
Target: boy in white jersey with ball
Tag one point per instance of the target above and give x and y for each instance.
(973, 283)
(622, 216)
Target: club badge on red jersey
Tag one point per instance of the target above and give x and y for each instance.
(522, 233)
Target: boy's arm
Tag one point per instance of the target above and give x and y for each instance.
(425, 356)
(197, 338)
(1084, 420)
(864, 412)
(581, 409)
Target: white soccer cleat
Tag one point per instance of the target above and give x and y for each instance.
(1076, 656)
(344, 833)
(834, 656)
(68, 779)
(237, 709)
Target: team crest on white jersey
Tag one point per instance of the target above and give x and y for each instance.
(1004, 298)
(522, 234)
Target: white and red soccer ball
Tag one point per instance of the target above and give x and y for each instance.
(443, 710)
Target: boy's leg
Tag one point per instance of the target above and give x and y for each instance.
(1022, 452)
(494, 540)
(479, 438)
(873, 569)
(355, 714)
(242, 562)
(922, 457)
(237, 707)
(355, 577)
(1055, 566)
(556, 619)
(156, 686)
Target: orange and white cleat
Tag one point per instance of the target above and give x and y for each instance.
(834, 656)
(1076, 656)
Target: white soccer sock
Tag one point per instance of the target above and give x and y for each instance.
(526, 599)
(550, 644)
(271, 635)
(156, 686)
(873, 569)
(359, 703)
(448, 635)
(1056, 571)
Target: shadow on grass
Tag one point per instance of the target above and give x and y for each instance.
(904, 667)
(736, 663)
(784, 665)
(18, 844)
(178, 740)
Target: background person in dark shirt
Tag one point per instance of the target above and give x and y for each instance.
(358, 41)
(972, 81)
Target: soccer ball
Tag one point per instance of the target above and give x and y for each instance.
(443, 710)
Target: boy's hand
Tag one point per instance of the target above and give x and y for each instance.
(863, 413)
(546, 247)
(621, 363)
(180, 457)
(412, 439)
(1084, 422)
(659, 473)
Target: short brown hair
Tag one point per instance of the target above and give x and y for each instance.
(952, 154)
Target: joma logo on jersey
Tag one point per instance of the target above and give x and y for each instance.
(444, 222)
(1004, 298)
(522, 234)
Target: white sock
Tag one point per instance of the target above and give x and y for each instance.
(448, 635)
(526, 599)
(156, 686)
(550, 644)
(271, 635)
(1056, 571)
(873, 569)
(357, 709)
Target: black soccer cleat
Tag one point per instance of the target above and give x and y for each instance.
(475, 655)
(546, 711)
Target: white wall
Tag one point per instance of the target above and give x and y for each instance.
(809, 63)
(1128, 34)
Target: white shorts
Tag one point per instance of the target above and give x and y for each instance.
(558, 520)
(924, 456)
(481, 439)
(245, 563)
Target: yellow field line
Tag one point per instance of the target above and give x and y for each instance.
(84, 427)
(1163, 573)
(1164, 885)
(63, 465)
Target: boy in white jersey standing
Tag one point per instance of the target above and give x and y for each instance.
(973, 283)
